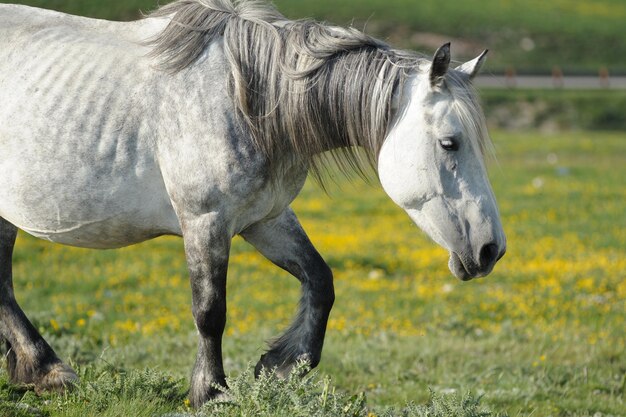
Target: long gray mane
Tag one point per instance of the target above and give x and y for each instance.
(301, 87)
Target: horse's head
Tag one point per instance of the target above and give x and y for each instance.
(431, 164)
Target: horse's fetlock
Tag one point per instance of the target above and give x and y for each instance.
(20, 372)
(45, 372)
(205, 388)
(57, 378)
(312, 359)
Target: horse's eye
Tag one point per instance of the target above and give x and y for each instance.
(449, 144)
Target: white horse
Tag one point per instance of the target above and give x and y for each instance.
(202, 121)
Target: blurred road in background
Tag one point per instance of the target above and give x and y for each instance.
(549, 82)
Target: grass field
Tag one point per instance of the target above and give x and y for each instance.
(577, 35)
(543, 335)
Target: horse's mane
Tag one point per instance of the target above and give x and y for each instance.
(301, 87)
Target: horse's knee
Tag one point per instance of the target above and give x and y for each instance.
(211, 319)
(330, 288)
(321, 284)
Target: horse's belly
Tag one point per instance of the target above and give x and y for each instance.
(116, 222)
(102, 233)
(87, 202)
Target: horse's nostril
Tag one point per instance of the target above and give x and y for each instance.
(488, 255)
(501, 254)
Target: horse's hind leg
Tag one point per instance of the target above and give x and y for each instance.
(284, 242)
(30, 360)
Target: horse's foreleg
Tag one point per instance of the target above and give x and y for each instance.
(30, 360)
(207, 246)
(284, 242)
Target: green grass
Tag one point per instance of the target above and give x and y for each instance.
(543, 335)
(113, 392)
(576, 35)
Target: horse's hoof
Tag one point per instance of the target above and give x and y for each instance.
(222, 397)
(198, 395)
(268, 363)
(259, 367)
(59, 378)
(197, 401)
(281, 368)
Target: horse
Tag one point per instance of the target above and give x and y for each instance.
(202, 120)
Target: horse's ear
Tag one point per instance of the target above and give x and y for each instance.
(439, 67)
(471, 68)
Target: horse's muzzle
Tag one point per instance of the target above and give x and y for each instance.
(466, 269)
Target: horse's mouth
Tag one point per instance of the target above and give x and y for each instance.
(461, 270)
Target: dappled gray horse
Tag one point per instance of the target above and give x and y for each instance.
(202, 121)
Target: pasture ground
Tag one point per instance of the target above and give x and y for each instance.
(543, 335)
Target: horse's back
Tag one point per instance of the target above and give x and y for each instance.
(77, 161)
(17, 19)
